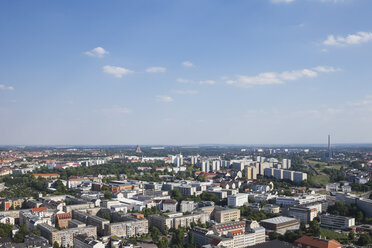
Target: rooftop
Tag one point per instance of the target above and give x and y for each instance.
(278, 220)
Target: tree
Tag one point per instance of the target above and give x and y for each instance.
(163, 243)
(303, 227)
(314, 228)
(36, 232)
(6, 230)
(202, 178)
(176, 194)
(178, 238)
(251, 199)
(60, 187)
(191, 237)
(155, 234)
(273, 235)
(364, 239)
(351, 235)
(108, 195)
(20, 235)
(55, 245)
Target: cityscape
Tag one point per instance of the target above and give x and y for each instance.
(185, 124)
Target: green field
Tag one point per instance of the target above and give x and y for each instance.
(321, 179)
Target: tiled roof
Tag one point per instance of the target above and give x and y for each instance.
(39, 209)
(64, 216)
(230, 226)
(46, 175)
(318, 243)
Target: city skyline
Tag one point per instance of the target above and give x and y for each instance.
(185, 72)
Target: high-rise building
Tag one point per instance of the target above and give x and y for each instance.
(286, 163)
(138, 149)
(250, 172)
(194, 160)
(205, 166)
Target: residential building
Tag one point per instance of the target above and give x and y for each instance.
(83, 241)
(222, 215)
(176, 220)
(62, 219)
(303, 214)
(237, 200)
(169, 205)
(250, 172)
(187, 206)
(65, 237)
(336, 222)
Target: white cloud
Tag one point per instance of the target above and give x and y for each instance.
(183, 80)
(351, 39)
(187, 92)
(326, 69)
(116, 110)
(367, 101)
(268, 78)
(207, 82)
(156, 69)
(282, 1)
(164, 99)
(116, 71)
(98, 52)
(4, 87)
(187, 64)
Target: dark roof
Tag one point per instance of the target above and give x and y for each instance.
(273, 243)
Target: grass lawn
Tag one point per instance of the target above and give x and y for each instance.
(313, 162)
(321, 179)
(335, 166)
(329, 234)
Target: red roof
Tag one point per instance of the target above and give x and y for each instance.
(64, 216)
(236, 232)
(46, 175)
(170, 201)
(317, 243)
(231, 226)
(39, 209)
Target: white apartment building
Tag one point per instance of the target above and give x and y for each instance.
(336, 221)
(187, 206)
(237, 200)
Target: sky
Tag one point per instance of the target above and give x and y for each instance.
(176, 72)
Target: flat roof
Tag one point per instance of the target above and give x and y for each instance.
(278, 220)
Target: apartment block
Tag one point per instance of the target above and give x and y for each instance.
(222, 215)
(336, 222)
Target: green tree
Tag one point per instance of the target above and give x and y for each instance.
(201, 178)
(351, 236)
(55, 245)
(155, 234)
(178, 238)
(176, 194)
(36, 232)
(273, 235)
(163, 243)
(314, 228)
(20, 235)
(60, 187)
(364, 239)
(108, 195)
(191, 238)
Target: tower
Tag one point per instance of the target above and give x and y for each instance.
(138, 149)
(329, 147)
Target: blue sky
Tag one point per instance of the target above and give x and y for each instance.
(185, 72)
